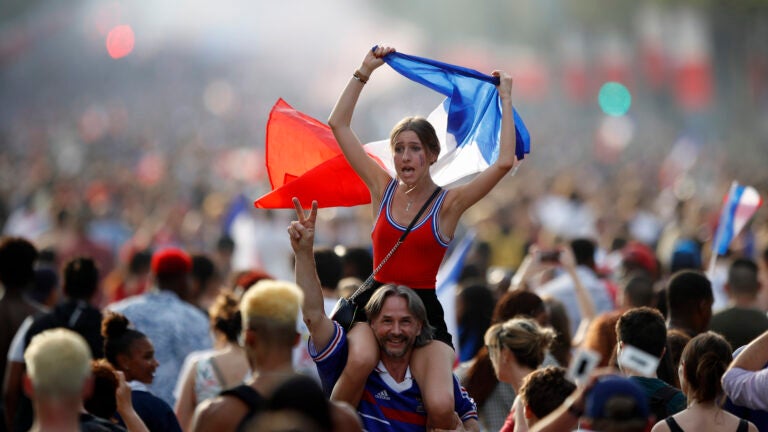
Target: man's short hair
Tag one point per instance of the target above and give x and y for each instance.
(643, 328)
(272, 308)
(686, 289)
(58, 363)
(583, 251)
(637, 289)
(203, 269)
(415, 307)
(742, 277)
(81, 278)
(616, 403)
(329, 267)
(545, 389)
(17, 260)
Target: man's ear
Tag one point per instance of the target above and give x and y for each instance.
(29, 389)
(88, 387)
(250, 337)
(704, 304)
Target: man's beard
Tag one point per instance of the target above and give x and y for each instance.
(399, 352)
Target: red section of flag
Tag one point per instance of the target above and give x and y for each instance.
(333, 183)
(295, 144)
(305, 161)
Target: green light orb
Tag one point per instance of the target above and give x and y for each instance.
(614, 99)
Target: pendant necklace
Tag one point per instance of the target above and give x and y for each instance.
(408, 206)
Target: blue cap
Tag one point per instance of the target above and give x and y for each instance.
(610, 386)
(686, 255)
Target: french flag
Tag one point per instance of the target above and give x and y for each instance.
(448, 280)
(303, 159)
(740, 205)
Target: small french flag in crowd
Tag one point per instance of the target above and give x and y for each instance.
(740, 205)
(304, 160)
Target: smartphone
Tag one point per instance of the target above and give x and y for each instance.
(638, 360)
(582, 364)
(550, 256)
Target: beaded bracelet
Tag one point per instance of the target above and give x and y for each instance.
(360, 77)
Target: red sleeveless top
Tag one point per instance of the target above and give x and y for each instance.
(416, 261)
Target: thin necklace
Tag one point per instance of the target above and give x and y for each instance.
(410, 201)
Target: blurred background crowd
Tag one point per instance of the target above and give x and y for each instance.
(161, 146)
(129, 127)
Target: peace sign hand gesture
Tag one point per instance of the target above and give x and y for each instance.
(302, 231)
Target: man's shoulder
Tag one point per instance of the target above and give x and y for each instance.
(157, 305)
(741, 313)
(223, 412)
(651, 384)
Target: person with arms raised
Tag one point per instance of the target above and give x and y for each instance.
(395, 201)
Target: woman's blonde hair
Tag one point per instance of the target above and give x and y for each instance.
(524, 337)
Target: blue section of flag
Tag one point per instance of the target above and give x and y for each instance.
(449, 273)
(238, 205)
(473, 104)
(448, 280)
(725, 227)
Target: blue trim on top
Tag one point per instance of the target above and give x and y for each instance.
(396, 225)
(436, 219)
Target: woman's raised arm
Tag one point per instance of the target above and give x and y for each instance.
(373, 175)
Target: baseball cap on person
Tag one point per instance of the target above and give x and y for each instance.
(171, 261)
(687, 255)
(640, 255)
(615, 386)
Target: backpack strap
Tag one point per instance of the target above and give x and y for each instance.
(672, 424)
(247, 395)
(220, 376)
(743, 426)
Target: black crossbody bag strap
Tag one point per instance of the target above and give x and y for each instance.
(369, 282)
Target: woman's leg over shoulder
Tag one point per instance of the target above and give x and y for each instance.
(432, 367)
(362, 359)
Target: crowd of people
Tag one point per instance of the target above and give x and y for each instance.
(570, 315)
(706, 364)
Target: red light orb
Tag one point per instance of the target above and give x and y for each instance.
(120, 41)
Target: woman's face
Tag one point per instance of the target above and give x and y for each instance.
(681, 377)
(412, 160)
(140, 365)
(496, 354)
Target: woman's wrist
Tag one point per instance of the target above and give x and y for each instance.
(361, 77)
(365, 70)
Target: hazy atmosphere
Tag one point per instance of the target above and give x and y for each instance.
(155, 144)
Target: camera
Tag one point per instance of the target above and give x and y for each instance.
(549, 256)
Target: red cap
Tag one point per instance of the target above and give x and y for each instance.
(171, 261)
(638, 254)
(249, 277)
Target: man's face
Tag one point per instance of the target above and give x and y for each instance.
(395, 328)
